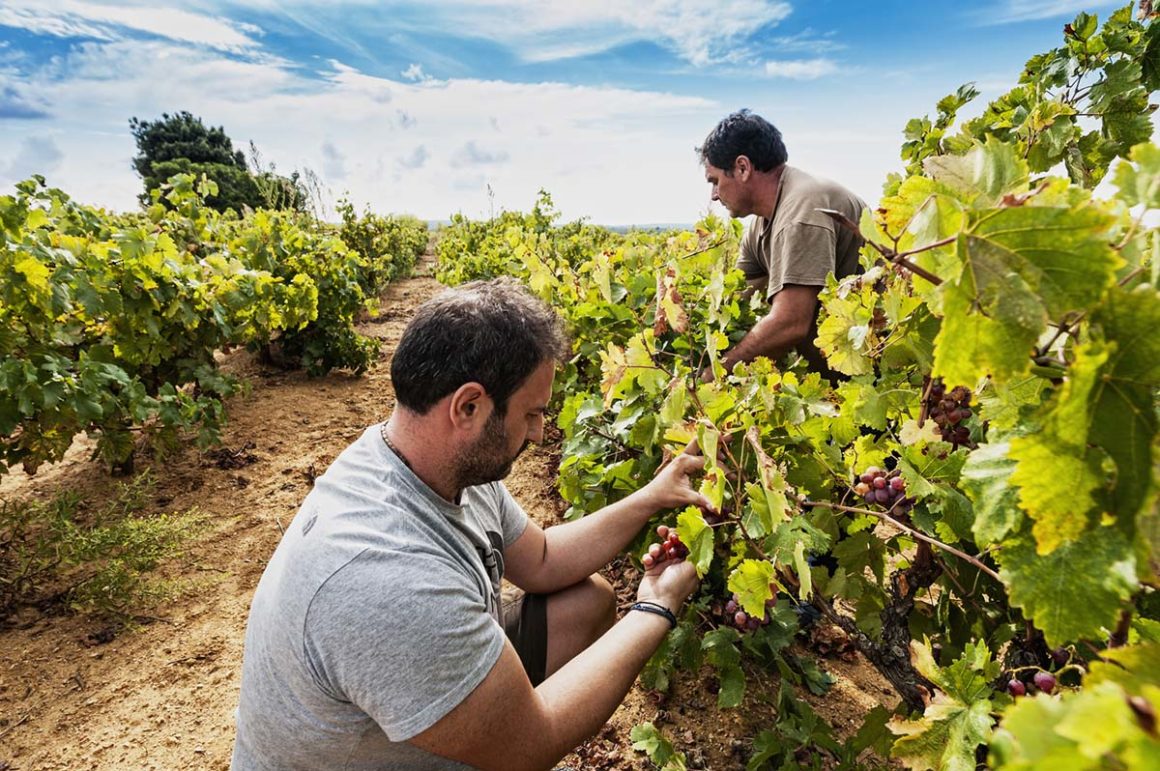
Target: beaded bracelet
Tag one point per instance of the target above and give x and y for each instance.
(660, 610)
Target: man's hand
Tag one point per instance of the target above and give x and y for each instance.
(669, 583)
(672, 487)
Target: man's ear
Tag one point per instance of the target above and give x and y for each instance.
(742, 168)
(469, 406)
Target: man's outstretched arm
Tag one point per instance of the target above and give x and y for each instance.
(545, 561)
(505, 724)
(789, 320)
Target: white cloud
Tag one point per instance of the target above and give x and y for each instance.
(806, 41)
(472, 154)
(570, 139)
(78, 18)
(700, 31)
(415, 73)
(415, 160)
(36, 155)
(800, 69)
(333, 162)
(1029, 10)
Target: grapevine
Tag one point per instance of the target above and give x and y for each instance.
(1001, 339)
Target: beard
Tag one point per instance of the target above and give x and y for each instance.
(486, 460)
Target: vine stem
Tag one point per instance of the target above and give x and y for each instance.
(899, 259)
(1067, 325)
(911, 531)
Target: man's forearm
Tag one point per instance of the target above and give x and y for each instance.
(768, 338)
(575, 550)
(788, 323)
(584, 693)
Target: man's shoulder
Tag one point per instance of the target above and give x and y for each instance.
(803, 194)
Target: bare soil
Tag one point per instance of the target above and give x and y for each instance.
(75, 694)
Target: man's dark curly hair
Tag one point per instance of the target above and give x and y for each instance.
(495, 333)
(744, 133)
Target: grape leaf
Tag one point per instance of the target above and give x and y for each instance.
(845, 335)
(986, 480)
(990, 324)
(647, 738)
(958, 718)
(1076, 590)
(751, 581)
(720, 648)
(696, 534)
(984, 174)
(1140, 183)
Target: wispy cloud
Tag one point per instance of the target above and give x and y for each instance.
(807, 41)
(800, 69)
(701, 32)
(80, 19)
(1010, 11)
(472, 154)
(415, 160)
(36, 155)
(15, 105)
(333, 162)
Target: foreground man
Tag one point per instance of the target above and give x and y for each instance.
(377, 637)
(791, 247)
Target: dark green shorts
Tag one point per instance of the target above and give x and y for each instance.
(525, 621)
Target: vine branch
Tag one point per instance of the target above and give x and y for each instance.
(909, 530)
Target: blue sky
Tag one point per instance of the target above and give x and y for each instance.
(436, 107)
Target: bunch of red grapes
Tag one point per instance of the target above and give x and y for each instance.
(949, 411)
(669, 548)
(886, 488)
(735, 616)
(1044, 681)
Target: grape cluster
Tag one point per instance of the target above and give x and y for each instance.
(713, 518)
(1043, 680)
(735, 616)
(669, 548)
(949, 411)
(886, 488)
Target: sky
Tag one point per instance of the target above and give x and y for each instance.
(472, 106)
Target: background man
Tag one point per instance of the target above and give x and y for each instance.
(376, 636)
(790, 248)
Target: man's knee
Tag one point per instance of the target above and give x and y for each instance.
(604, 602)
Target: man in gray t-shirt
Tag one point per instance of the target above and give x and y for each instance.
(791, 247)
(376, 636)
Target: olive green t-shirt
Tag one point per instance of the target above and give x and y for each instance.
(801, 245)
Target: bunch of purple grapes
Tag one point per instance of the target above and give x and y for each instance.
(670, 547)
(949, 411)
(886, 488)
(1044, 681)
(735, 616)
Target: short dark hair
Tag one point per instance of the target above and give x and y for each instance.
(495, 333)
(744, 133)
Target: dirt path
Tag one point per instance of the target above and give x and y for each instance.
(163, 697)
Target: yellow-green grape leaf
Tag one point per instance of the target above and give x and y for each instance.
(803, 571)
(1140, 183)
(958, 718)
(648, 739)
(986, 480)
(991, 321)
(697, 536)
(751, 581)
(845, 335)
(1075, 591)
(1059, 454)
(772, 480)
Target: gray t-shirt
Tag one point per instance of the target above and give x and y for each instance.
(379, 613)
